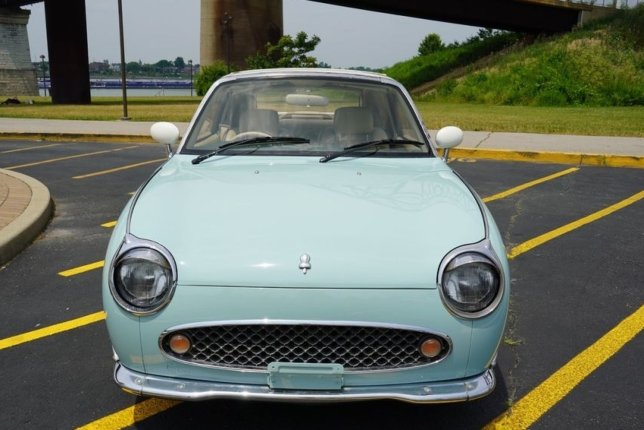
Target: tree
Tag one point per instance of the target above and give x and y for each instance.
(208, 75)
(288, 52)
(133, 67)
(179, 63)
(430, 44)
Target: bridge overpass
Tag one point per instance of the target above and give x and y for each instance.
(67, 28)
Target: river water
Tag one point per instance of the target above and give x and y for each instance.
(134, 92)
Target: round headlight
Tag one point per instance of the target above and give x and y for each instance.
(142, 280)
(470, 284)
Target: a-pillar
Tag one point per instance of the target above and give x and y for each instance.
(68, 56)
(233, 30)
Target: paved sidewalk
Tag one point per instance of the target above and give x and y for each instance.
(516, 142)
(25, 209)
(26, 206)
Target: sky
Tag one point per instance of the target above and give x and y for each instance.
(167, 29)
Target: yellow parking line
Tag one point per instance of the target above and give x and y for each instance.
(546, 237)
(522, 187)
(109, 224)
(51, 330)
(129, 416)
(29, 148)
(537, 402)
(118, 169)
(82, 269)
(68, 157)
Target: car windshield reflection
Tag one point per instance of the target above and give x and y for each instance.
(329, 114)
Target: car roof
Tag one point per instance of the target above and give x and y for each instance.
(311, 72)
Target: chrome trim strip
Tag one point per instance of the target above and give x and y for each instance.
(479, 202)
(136, 198)
(444, 336)
(185, 389)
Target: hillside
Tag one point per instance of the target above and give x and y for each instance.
(598, 65)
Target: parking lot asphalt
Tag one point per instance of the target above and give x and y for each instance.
(571, 356)
(25, 205)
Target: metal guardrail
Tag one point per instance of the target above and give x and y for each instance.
(620, 4)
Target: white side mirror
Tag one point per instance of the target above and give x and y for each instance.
(165, 133)
(447, 138)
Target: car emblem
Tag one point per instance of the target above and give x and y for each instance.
(305, 263)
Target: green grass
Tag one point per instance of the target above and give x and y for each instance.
(591, 121)
(177, 109)
(597, 121)
(599, 65)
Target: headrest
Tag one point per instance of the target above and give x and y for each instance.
(353, 120)
(264, 120)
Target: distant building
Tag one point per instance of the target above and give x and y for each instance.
(99, 67)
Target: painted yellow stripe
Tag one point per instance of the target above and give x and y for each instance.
(522, 187)
(68, 157)
(82, 269)
(130, 416)
(31, 148)
(51, 330)
(537, 402)
(109, 224)
(546, 237)
(118, 169)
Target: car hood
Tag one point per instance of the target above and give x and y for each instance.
(363, 223)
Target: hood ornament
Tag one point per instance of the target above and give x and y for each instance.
(305, 263)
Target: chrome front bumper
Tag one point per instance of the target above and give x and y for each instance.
(186, 389)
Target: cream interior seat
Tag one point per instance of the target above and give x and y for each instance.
(355, 125)
(259, 120)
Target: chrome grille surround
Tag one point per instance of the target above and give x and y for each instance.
(252, 345)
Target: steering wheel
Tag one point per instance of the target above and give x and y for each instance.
(250, 135)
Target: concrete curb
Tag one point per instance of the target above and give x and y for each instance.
(20, 232)
(76, 137)
(580, 159)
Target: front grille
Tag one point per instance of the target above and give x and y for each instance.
(255, 346)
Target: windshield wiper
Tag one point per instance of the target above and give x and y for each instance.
(258, 141)
(372, 144)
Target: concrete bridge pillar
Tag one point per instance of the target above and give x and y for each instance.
(233, 30)
(17, 73)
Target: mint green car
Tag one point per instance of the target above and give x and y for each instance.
(306, 242)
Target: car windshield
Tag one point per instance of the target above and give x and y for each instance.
(306, 116)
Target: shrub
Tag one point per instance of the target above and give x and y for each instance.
(208, 75)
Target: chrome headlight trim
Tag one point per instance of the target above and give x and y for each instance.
(481, 252)
(133, 243)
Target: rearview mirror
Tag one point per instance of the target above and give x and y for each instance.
(306, 100)
(447, 138)
(165, 133)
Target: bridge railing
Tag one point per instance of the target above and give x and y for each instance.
(621, 4)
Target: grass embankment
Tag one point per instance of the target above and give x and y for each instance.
(599, 65)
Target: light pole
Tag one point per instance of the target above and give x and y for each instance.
(44, 82)
(190, 64)
(123, 74)
(228, 34)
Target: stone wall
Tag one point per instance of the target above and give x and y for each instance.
(17, 73)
